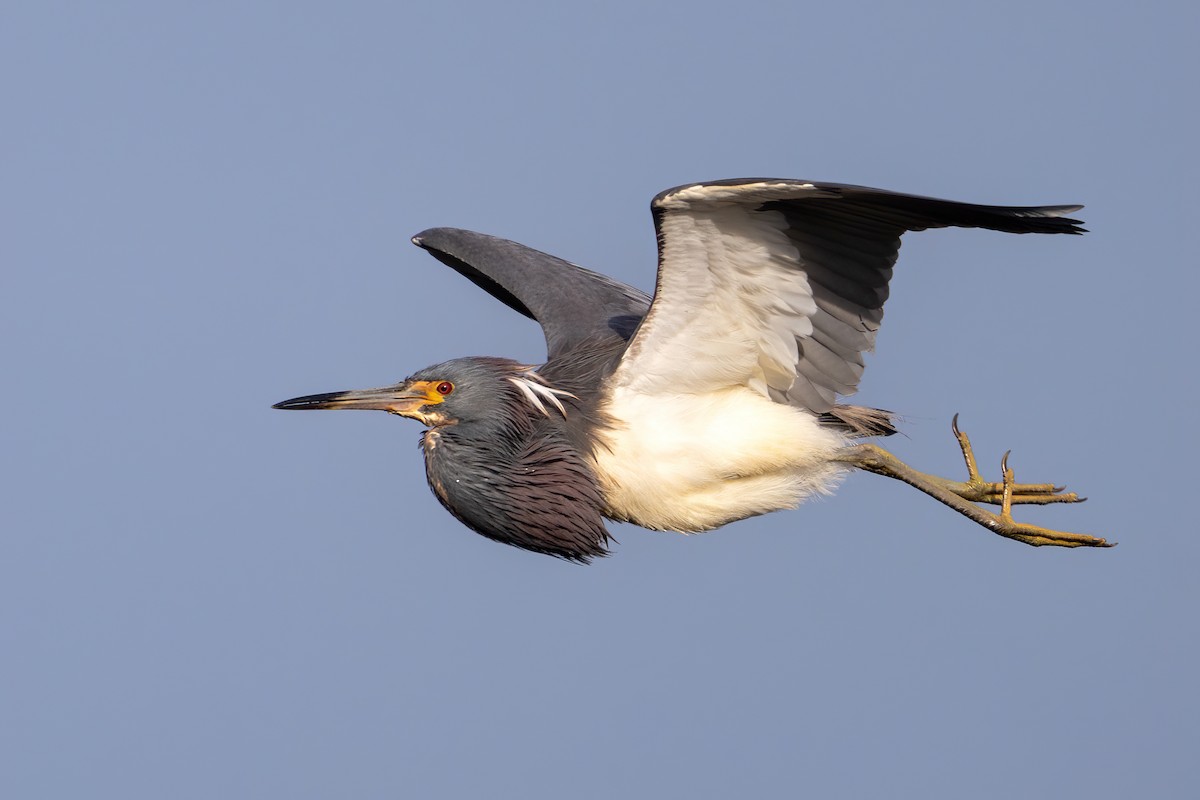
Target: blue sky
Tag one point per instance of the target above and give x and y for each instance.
(207, 209)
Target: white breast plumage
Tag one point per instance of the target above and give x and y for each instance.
(688, 462)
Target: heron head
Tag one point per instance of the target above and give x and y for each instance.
(461, 390)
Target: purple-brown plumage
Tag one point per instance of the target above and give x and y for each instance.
(507, 470)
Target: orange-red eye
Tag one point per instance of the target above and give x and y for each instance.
(445, 387)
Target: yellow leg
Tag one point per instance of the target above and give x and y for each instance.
(962, 496)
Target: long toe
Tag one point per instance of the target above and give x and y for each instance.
(977, 490)
(1035, 535)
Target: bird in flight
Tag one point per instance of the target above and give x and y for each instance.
(717, 399)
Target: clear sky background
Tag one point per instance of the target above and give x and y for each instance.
(205, 209)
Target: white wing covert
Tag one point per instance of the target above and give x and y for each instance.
(779, 285)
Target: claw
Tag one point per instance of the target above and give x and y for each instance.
(1008, 478)
(977, 490)
(968, 452)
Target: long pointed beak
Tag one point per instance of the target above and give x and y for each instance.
(401, 399)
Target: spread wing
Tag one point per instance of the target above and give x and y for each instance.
(573, 305)
(780, 284)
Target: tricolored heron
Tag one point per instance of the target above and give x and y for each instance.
(713, 401)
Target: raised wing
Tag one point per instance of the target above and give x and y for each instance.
(780, 284)
(573, 305)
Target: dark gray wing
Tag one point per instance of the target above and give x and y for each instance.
(780, 284)
(573, 305)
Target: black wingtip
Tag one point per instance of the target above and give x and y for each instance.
(1053, 219)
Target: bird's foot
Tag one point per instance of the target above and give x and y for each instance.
(977, 490)
(1004, 524)
(964, 497)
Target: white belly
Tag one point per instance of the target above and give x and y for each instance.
(695, 462)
